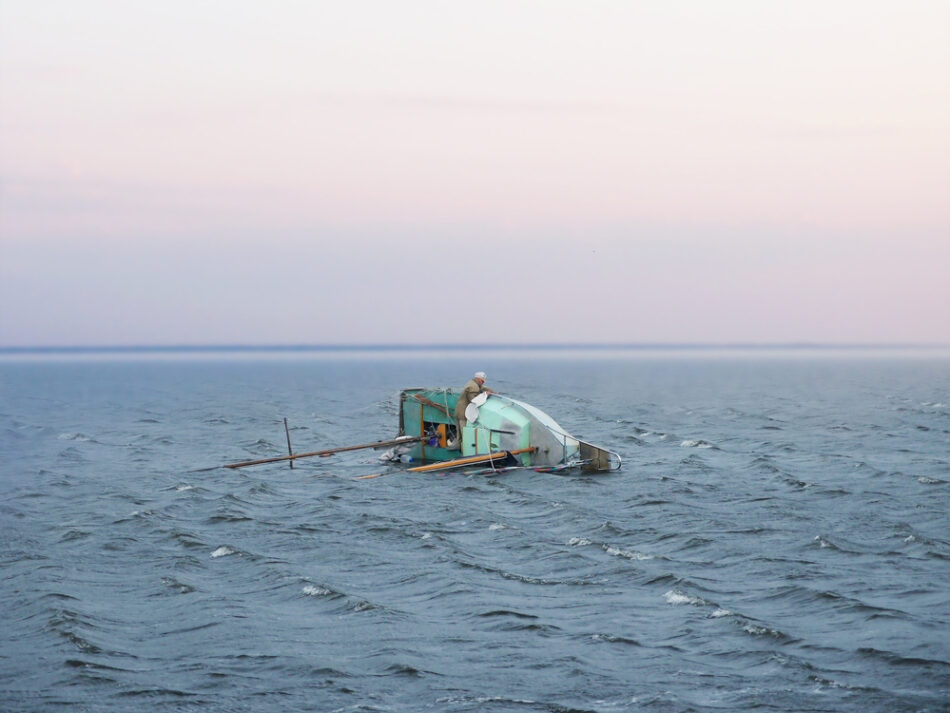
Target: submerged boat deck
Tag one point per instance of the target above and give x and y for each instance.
(502, 424)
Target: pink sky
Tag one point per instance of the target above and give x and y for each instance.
(424, 171)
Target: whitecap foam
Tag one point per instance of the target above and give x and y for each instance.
(223, 551)
(183, 488)
(579, 542)
(759, 630)
(497, 526)
(690, 443)
(927, 481)
(74, 437)
(455, 700)
(177, 586)
(677, 598)
(617, 552)
(312, 591)
(426, 536)
(719, 613)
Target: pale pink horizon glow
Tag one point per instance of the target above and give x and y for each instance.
(662, 171)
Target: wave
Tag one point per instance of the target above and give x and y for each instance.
(155, 692)
(67, 624)
(314, 591)
(697, 443)
(176, 586)
(506, 612)
(72, 535)
(94, 665)
(759, 630)
(610, 549)
(626, 554)
(763, 463)
(614, 639)
(187, 539)
(690, 560)
(678, 598)
(509, 620)
(826, 543)
(78, 437)
(228, 517)
(894, 659)
(345, 603)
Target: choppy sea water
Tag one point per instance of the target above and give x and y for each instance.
(778, 538)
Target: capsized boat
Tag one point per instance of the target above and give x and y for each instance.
(495, 424)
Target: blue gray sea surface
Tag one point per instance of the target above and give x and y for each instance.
(777, 540)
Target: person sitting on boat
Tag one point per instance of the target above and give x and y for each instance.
(474, 387)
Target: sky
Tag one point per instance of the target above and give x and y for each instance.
(508, 171)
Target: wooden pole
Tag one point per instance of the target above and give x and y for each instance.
(290, 450)
(329, 451)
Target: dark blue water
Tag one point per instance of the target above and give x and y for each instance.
(778, 539)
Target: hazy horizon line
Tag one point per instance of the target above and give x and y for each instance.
(516, 346)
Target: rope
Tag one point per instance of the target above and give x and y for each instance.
(445, 401)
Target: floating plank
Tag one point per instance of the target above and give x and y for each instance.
(471, 460)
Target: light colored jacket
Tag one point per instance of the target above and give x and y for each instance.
(469, 392)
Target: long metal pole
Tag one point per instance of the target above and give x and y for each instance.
(329, 451)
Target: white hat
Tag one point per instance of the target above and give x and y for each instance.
(479, 374)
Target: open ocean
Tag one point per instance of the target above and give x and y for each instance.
(777, 540)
